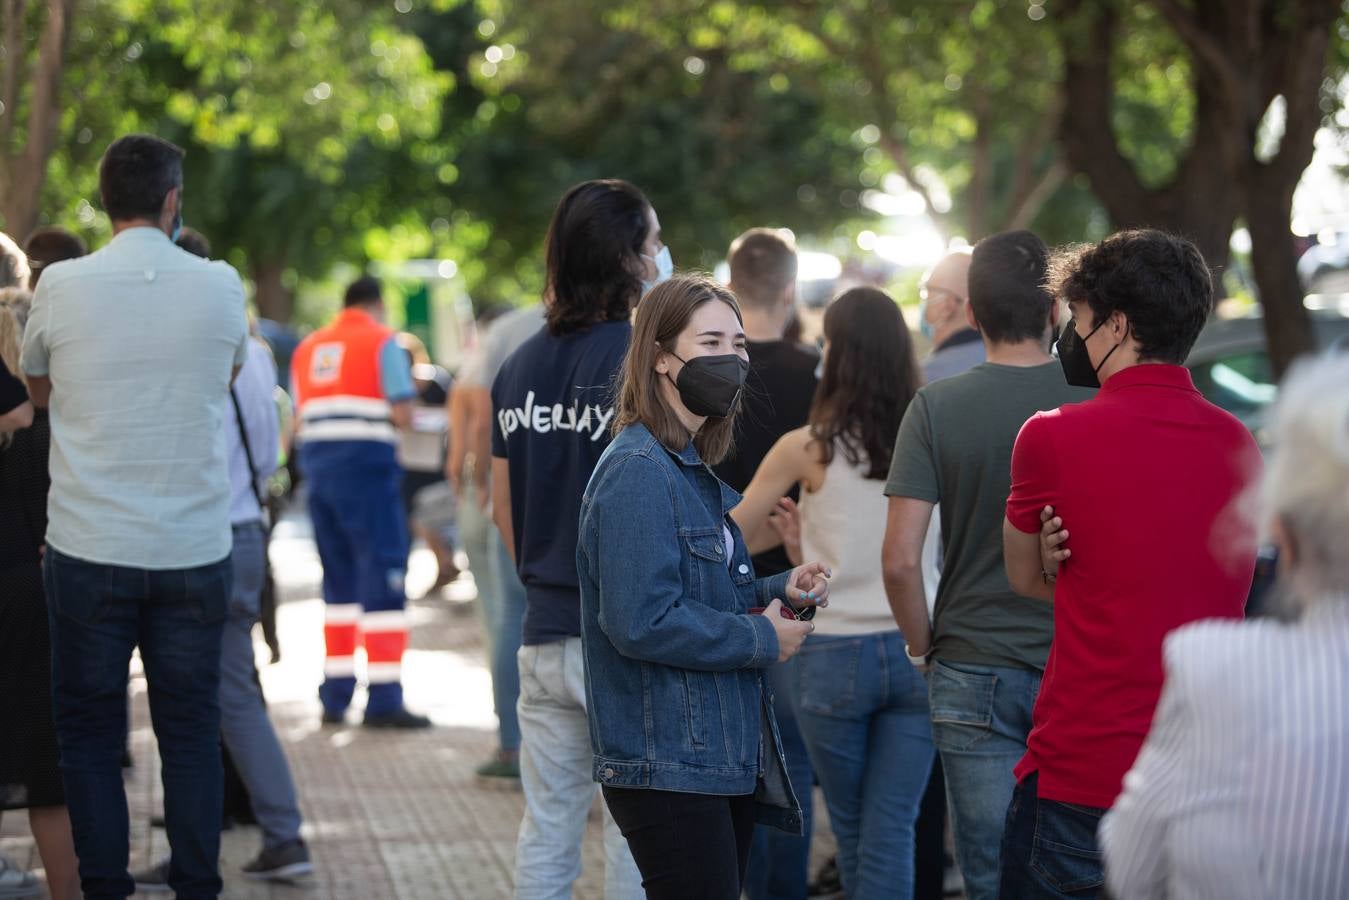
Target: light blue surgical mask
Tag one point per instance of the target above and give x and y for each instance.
(924, 326)
(664, 268)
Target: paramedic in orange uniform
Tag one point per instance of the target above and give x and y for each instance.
(353, 391)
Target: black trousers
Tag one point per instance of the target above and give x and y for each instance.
(687, 846)
(929, 838)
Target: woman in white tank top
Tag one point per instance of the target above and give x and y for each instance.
(861, 706)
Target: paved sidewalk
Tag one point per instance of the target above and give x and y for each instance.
(387, 815)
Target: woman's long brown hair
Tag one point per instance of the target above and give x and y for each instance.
(661, 316)
(870, 375)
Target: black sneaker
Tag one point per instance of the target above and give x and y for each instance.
(400, 719)
(154, 880)
(287, 862)
(334, 718)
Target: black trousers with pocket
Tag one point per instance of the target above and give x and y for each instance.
(687, 846)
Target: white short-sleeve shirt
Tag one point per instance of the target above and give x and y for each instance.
(140, 340)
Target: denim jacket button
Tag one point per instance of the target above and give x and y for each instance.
(744, 569)
(608, 774)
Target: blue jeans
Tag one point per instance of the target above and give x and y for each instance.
(981, 716)
(244, 724)
(501, 597)
(556, 762)
(1049, 849)
(99, 614)
(863, 712)
(779, 863)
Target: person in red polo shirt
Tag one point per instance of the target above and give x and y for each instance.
(1147, 474)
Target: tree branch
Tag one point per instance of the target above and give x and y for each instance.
(898, 152)
(1024, 182)
(26, 172)
(981, 175)
(14, 11)
(1085, 133)
(1299, 79)
(44, 111)
(1204, 47)
(1023, 213)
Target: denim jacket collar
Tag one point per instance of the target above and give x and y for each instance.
(689, 458)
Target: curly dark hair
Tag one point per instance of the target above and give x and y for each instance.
(870, 375)
(594, 273)
(1159, 281)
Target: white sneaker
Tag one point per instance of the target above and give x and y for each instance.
(15, 882)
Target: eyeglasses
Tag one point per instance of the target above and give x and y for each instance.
(926, 293)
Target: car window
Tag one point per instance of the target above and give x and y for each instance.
(1241, 383)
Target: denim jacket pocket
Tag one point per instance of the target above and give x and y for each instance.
(694, 708)
(707, 562)
(826, 674)
(708, 545)
(961, 705)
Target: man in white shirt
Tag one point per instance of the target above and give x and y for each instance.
(252, 439)
(135, 346)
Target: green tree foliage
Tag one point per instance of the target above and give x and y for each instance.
(355, 130)
(568, 94)
(960, 98)
(307, 125)
(1239, 89)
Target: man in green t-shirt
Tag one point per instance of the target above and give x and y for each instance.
(987, 646)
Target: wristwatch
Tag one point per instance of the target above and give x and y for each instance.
(919, 661)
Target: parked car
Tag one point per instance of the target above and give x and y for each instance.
(1321, 260)
(1230, 362)
(1230, 365)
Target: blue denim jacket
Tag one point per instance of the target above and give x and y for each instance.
(674, 660)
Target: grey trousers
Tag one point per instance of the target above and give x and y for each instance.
(247, 731)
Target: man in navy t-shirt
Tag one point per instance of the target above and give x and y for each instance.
(554, 403)
(553, 408)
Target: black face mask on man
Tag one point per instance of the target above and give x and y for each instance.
(710, 385)
(1076, 362)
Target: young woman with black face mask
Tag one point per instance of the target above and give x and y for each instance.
(861, 707)
(676, 630)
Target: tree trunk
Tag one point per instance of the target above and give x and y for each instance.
(1296, 54)
(273, 299)
(1203, 199)
(1244, 54)
(23, 173)
(1288, 326)
(980, 188)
